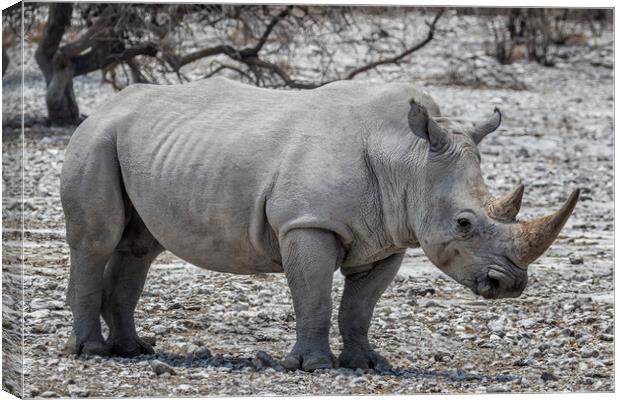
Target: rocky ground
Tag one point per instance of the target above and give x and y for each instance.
(219, 334)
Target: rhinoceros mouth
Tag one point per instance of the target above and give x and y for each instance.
(500, 280)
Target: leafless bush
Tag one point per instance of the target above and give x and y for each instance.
(256, 43)
(537, 33)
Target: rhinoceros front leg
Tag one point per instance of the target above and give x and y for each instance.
(361, 293)
(310, 257)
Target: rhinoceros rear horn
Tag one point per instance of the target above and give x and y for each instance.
(532, 238)
(508, 206)
(425, 127)
(482, 129)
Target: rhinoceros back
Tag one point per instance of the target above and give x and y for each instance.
(204, 163)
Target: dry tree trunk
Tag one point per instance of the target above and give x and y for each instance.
(62, 108)
(97, 48)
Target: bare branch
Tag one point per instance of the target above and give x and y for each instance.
(263, 39)
(288, 81)
(395, 59)
(97, 59)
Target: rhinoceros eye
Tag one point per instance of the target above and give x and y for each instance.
(464, 224)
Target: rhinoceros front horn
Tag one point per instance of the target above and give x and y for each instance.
(532, 238)
(506, 208)
(478, 132)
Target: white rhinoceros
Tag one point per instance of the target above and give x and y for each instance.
(238, 179)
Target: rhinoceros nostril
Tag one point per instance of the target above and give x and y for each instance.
(493, 283)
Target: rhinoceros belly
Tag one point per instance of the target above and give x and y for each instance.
(202, 195)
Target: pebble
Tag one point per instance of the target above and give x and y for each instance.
(160, 367)
(575, 260)
(159, 329)
(498, 388)
(589, 352)
(548, 376)
(263, 360)
(203, 353)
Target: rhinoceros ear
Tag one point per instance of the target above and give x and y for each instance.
(425, 127)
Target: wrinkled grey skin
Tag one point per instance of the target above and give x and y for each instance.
(238, 179)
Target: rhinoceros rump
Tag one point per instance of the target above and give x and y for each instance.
(245, 180)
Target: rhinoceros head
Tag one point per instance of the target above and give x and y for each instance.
(470, 235)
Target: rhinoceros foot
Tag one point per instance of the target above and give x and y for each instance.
(87, 348)
(364, 359)
(130, 347)
(309, 359)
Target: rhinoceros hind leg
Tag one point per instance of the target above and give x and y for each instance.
(310, 257)
(124, 280)
(91, 193)
(361, 293)
(84, 297)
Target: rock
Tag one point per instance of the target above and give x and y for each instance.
(589, 352)
(152, 340)
(75, 391)
(606, 337)
(498, 388)
(159, 329)
(522, 362)
(160, 367)
(49, 393)
(263, 360)
(203, 353)
(359, 380)
(526, 323)
(41, 329)
(548, 376)
(575, 260)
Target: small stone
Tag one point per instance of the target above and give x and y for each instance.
(497, 388)
(606, 337)
(203, 353)
(575, 260)
(160, 367)
(152, 340)
(548, 376)
(522, 362)
(41, 329)
(77, 392)
(263, 360)
(589, 352)
(359, 380)
(526, 323)
(49, 393)
(159, 329)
